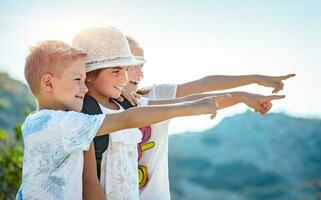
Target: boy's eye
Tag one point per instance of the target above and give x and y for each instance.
(116, 72)
(78, 79)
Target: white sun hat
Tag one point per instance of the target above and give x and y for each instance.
(105, 47)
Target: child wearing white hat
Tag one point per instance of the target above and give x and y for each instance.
(108, 56)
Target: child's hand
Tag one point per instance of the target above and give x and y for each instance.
(260, 103)
(131, 97)
(207, 105)
(273, 81)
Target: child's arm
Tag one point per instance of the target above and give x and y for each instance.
(91, 186)
(134, 118)
(142, 116)
(219, 82)
(258, 102)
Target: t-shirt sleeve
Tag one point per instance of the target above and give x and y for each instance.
(163, 91)
(78, 130)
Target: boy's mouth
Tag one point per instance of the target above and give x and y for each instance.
(80, 97)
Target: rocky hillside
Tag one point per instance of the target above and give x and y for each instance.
(248, 157)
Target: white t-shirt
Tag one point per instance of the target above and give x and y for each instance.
(54, 142)
(154, 161)
(119, 173)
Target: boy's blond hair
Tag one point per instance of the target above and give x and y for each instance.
(48, 57)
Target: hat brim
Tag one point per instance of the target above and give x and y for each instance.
(107, 63)
(140, 58)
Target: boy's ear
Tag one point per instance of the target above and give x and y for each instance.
(46, 82)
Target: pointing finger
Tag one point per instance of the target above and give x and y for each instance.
(286, 76)
(272, 97)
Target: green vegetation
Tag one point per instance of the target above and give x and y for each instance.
(15, 103)
(10, 163)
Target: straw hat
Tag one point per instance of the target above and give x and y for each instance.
(105, 47)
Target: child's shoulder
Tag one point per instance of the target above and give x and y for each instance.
(44, 120)
(45, 115)
(37, 122)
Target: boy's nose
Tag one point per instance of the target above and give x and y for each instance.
(84, 88)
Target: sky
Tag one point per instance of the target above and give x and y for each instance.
(187, 40)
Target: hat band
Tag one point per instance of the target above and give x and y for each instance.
(106, 60)
(140, 58)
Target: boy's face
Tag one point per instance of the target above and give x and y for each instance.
(110, 81)
(69, 86)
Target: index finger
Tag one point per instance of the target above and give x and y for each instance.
(286, 76)
(273, 97)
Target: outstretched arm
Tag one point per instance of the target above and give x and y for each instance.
(259, 103)
(141, 116)
(220, 82)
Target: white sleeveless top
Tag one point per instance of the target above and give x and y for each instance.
(119, 173)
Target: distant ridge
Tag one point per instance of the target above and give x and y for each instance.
(247, 156)
(14, 98)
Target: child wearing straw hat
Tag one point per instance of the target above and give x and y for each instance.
(108, 57)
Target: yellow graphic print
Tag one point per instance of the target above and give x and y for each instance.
(144, 145)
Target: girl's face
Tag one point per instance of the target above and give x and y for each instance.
(135, 75)
(109, 82)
